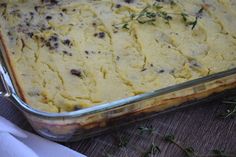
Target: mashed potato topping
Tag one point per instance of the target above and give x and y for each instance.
(73, 54)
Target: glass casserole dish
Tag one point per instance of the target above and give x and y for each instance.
(68, 126)
(76, 125)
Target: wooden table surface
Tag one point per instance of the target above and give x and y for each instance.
(197, 126)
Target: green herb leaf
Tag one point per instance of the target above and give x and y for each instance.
(165, 16)
(190, 152)
(123, 141)
(184, 16)
(218, 153)
(157, 6)
(145, 129)
(132, 16)
(154, 149)
(231, 111)
(172, 3)
(125, 26)
(169, 138)
(200, 11)
(151, 12)
(193, 23)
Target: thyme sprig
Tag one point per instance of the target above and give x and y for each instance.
(151, 13)
(123, 141)
(219, 153)
(194, 23)
(189, 151)
(148, 15)
(152, 150)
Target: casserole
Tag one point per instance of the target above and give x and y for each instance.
(87, 121)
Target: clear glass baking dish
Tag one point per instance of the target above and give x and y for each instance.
(72, 126)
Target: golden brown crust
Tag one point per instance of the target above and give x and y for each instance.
(164, 104)
(180, 100)
(6, 56)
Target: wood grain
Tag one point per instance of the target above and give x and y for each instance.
(196, 126)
